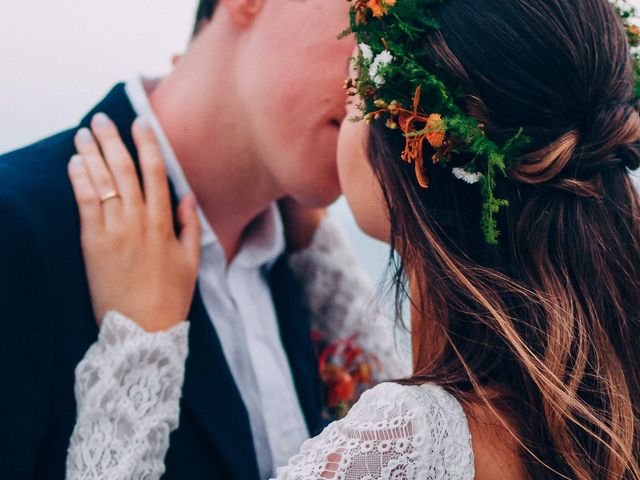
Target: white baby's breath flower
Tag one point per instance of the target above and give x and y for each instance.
(469, 177)
(366, 51)
(383, 59)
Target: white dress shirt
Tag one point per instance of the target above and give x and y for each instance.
(238, 300)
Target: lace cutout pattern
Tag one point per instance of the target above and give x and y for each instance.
(128, 389)
(393, 432)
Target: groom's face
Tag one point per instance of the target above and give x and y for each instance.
(291, 71)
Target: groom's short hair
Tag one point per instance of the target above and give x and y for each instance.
(204, 13)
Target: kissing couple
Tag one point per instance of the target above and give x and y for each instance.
(167, 260)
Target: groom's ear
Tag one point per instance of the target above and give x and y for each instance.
(242, 12)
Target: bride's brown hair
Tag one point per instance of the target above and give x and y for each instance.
(549, 318)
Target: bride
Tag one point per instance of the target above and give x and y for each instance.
(520, 243)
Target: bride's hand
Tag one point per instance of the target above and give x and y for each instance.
(135, 263)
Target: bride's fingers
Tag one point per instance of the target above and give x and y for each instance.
(86, 196)
(189, 229)
(154, 175)
(99, 174)
(118, 159)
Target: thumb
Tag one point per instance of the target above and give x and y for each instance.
(189, 236)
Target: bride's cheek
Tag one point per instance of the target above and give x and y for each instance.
(358, 182)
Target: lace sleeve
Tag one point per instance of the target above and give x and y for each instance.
(128, 389)
(342, 299)
(393, 432)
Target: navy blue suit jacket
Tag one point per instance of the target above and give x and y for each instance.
(47, 324)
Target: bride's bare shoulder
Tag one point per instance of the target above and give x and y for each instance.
(496, 452)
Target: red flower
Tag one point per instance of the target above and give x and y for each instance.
(346, 371)
(342, 389)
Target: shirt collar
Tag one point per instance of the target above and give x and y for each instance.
(263, 241)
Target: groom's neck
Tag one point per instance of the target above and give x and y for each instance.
(195, 106)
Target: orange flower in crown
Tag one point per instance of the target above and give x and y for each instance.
(435, 130)
(394, 67)
(380, 7)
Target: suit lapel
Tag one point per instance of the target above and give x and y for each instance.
(213, 397)
(209, 389)
(295, 334)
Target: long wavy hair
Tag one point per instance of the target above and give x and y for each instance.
(541, 329)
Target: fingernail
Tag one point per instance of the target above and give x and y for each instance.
(84, 135)
(101, 120)
(76, 160)
(143, 124)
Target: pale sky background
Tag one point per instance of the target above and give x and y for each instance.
(59, 57)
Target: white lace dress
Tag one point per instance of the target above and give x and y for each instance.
(128, 389)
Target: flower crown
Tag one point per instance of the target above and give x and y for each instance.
(397, 89)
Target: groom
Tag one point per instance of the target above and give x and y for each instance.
(249, 115)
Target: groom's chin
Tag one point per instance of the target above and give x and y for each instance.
(320, 199)
(319, 191)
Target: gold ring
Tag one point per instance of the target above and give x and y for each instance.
(109, 196)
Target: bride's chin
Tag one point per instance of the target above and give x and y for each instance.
(369, 214)
(375, 229)
(359, 184)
